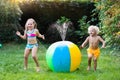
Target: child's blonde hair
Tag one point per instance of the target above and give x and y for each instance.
(93, 27)
(34, 22)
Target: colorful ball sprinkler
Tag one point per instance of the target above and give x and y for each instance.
(63, 56)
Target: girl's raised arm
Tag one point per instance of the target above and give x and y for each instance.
(39, 35)
(22, 36)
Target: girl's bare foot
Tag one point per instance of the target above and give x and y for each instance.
(37, 69)
(88, 68)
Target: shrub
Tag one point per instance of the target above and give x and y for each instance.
(82, 30)
(9, 14)
(109, 15)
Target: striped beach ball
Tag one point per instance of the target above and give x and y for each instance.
(63, 56)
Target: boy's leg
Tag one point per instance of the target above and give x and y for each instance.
(95, 63)
(34, 56)
(95, 58)
(26, 54)
(89, 61)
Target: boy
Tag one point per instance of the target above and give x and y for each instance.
(93, 51)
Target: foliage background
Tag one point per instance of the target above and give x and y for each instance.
(9, 15)
(103, 13)
(109, 16)
(45, 13)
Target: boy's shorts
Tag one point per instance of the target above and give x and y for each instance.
(30, 46)
(94, 52)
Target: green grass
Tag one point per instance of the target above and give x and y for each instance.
(11, 66)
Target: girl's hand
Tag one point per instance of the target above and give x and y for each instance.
(43, 37)
(18, 33)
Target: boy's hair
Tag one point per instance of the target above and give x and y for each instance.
(93, 27)
(34, 22)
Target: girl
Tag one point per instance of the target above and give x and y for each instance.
(93, 51)
(31, 32)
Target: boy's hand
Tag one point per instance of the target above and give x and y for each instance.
(80, 47)
(103, 47)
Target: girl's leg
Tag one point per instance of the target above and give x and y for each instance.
(26, 54)
(34, 56)
(95, 64)
(89, 61)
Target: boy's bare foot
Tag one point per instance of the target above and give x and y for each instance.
(88, 68)
(94, 69)
(37, 69)
(25, 68)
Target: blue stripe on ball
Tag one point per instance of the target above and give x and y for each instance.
(61, 59)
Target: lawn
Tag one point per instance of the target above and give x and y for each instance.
(11, 66)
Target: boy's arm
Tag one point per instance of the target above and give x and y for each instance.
(85, 42)
(103, 42)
